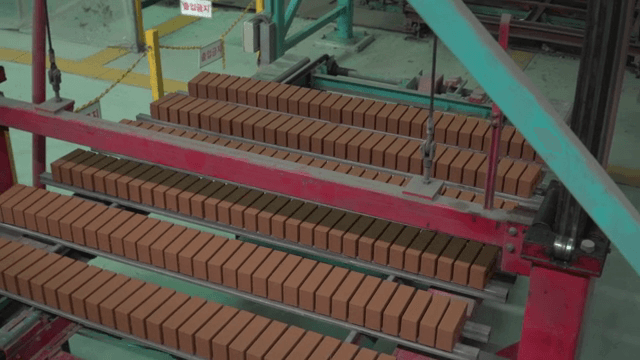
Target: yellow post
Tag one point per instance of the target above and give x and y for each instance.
(155, 67)
(140, 25)
(259, 6)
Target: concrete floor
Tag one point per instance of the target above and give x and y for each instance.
(610, 325)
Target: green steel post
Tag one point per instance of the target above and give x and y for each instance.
(292, 9)
(538, 121)
(345, 21)
(278, 19)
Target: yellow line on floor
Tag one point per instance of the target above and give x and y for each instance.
(172, 25)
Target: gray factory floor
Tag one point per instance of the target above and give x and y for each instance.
(610, 327)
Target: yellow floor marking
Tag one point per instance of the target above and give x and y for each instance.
(10, 54)
(106, 56)
(172, 25)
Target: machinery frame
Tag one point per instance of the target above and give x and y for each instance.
(557, 298)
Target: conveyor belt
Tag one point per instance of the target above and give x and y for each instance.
(159, 315)
(314, 287)
(369, 239)
(356, 144)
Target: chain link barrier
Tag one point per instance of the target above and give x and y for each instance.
(224, 34)
(124, 75)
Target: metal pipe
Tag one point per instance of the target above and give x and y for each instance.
(345, 21)
(278, 18)
(38, 83)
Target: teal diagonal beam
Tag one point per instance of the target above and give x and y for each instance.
(540, 124)
(292, 9)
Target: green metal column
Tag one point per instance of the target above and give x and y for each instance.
(281, 29)
(345, 21)
(538, 121)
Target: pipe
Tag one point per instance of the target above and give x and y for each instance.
(38, 83)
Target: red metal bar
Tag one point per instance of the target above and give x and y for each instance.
(553, 316)
(496, 126)
(7, 170)
(268, 174)
(39, 90)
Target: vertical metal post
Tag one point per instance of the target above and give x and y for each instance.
(278, 19)
(139, 25)
(7, 165)
(553, 315)
(38, 84)
(155, 66)
(345, 21)
(259, 6)
(496, 127)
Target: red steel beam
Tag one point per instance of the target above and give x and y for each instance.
(268, 174)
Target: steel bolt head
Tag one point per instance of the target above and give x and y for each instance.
(511, 248)
(588, 246)
(513, 231)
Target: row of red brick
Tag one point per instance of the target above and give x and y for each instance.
(278, 154)
(463, 131)
(389, 151)
(470, 168)
(332, 291)
(354, 235)
(159, 314)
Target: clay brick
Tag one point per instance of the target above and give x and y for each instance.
(291, 286)
(265, 342)
(215, 263)
(429, 258)
(512, 178)
(305, 347)
(221, 342)
(98, 178)
(84, 292)
(414, 312)
(444, 163)
(42, 216)
(479, 134)
(307, 291)
(456, 169)
(328, 288)
(221, 89)
(448, 257)
(529, 180)
(471, 169)
(262, 95)
(171, 261)
(12, 200)
(283, 98)
(483, 266)
(330, 165)
(464, 136)
(294, 100)
(122, 311)
(250, 216)
(382, 117)
(376, 306)
(55, 166)
(9, 279)
(196, 201)
(24, 278)
(463, 263)
(325, 350)
(202, 85)
(230, 268)
(198, 117)
(342, 296)
(212, 202)
(359, 112)
(398, 248)
(13, 258)
(192, 85)
(395, 309)
(174, 111)
(316, 103)
(450, 325)
(279, 276)
(506, 135)
(454, 128)
(377, 153)
(516, 144)
(431, 320)
(285, 344)
(528, 153)
(204, 337)
(108, 306)
(247, 337)
(279, 218)
(177, 319)
(372, 113)
(110, 237)
(418, 123)
(365, 243)
(92, 303)
(243, 90)
(307, 228)
(139, 316)
(337, 108)
(317, 139)
(18, 211)
(487, 141)
(78, 228)
(350, 239)
(186, 332)
(157, 248)
(336, 234)
(384, 242)
(361, 298)
(504, 167)
(41, 204)
(452, 193)
(365, 150)
(292, 224)
(321, 231)
(303, 105)
(154, 321)
(210, 116)
(347, 113)
(53, 220)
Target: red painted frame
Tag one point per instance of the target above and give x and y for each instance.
(297, 182)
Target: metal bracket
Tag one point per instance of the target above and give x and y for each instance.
(54, 106)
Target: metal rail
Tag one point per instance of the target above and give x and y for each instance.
(460, 352)
(495, 290)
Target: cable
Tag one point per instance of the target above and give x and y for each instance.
(55, 76)
(428, 147)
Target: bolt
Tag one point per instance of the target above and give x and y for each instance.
(511, 248)
(513, 231)
(588, 246)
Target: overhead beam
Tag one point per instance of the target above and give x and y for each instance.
(536, 119)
